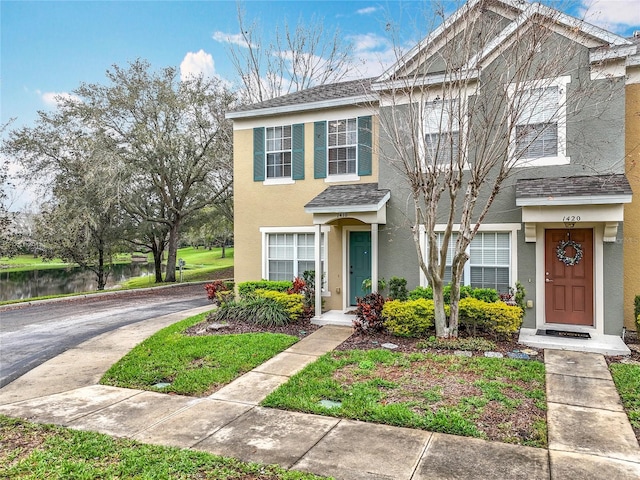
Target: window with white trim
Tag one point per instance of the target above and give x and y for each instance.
(490, 261)
(489, 264)
(278, 152)
(342, 144)
(539, 136)
(289, 255)
(441, 132)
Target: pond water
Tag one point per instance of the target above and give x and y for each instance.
(39, 283)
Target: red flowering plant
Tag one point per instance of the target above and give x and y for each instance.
(219, 291)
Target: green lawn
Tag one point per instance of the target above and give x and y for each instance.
(33, 452)
(627, 380)
(193, 365)
(440, 393)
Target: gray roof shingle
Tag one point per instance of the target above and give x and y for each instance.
(614, 184)
(330, 91)
(360, 194)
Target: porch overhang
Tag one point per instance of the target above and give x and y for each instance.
(573, 201)
(362, 201)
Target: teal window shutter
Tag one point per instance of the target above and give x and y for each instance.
(320, 150)
(365, 145)
(297, 151)
(258, 154)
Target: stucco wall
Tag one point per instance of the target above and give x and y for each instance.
(257, 205)
(631, 239)
(595, 145)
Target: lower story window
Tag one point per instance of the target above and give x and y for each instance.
(489, 264)
(289, 255)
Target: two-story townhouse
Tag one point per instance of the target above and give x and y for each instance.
(305, 188)
(570, 189)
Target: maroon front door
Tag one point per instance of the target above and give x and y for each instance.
(569, 276)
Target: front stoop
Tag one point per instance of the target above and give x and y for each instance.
(602, 344)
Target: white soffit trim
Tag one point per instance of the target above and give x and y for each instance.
(582, 200)
(617, 51)
(338, 102)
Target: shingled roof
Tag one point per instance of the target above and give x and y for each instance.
(343, 92)
(357, 197)
(568, 187)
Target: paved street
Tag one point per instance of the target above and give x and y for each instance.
(32, 334)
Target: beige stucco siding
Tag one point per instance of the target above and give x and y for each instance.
(632, 210)
(258, 205)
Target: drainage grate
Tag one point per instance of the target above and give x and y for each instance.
(564, 333)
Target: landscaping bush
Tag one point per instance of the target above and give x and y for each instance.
(495, 317)
(638, 324)
(245, 289)
(219, 291)
(466, 291)
(369, 313)
(398, 289)
(291, 302)
(413, 318)
(257, 310)
(636, 312)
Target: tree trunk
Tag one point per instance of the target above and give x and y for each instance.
(440, 313)
(157, 250)
(170, 275)
(224, 255)
(102, 278)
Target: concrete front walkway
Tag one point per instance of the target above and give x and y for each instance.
(589, 435)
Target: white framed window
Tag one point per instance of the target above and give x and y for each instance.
(539, 134)
(492, 257)
(342, 146)
(289, 252)
(441, 132)
(278, 152)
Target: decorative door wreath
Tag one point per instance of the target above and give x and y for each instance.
(561, 252)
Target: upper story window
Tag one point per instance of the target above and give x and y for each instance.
(342, 136)
(539, 136)
(343, 149)
(278, 151)
(442, 132)
(278, 154)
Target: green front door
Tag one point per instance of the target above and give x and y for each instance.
(359, 263)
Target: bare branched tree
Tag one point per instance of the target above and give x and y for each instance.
(294, 58)
(481, 98)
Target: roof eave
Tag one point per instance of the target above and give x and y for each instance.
(302, 107)
(573, 200)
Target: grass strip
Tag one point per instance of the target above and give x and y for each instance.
(441, 393)
(193, 365)
(627, 380)
(32, 452)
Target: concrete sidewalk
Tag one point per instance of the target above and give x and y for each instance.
(589, 434)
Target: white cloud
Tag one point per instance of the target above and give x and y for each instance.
(615, 15)
(373, 54)
(235, 38)
(199, 63)
(367, 10)
(53, 99)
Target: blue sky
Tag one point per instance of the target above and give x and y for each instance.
(50, 47)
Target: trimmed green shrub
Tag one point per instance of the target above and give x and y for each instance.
(495, 317)
(421, 292)
(638, 324)
(485, 294)
(245, 289)
(466, 291)
(398, 289)
(413, 318)
(257, 310)
(636, 312)
(291, 302)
